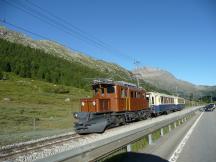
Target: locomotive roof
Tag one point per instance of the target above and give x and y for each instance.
(111, 82)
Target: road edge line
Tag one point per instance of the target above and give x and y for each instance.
(178, 150)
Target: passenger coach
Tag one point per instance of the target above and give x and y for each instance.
(163, 104)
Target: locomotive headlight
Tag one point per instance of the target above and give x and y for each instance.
(75, 115)
(93, 103)
(83, 103)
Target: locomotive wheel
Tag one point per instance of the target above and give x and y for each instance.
(122, 120)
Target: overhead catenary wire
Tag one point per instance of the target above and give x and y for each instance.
(63, 25)
(66, 22)
(3, 21)
(83, 33)
(52, 24)
(23, 29)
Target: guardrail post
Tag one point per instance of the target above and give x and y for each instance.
(129, 148)
(150, 139)
(170, 128)
(179, 122)
(182, 120)
(185, 119)
(175, 125)
(161, 132)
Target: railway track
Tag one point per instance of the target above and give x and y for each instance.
(11, 152)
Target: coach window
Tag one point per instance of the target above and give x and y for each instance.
(110, 89)
(152, 100)
(162, 99)
(147, 97)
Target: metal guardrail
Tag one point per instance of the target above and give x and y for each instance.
(92, 151)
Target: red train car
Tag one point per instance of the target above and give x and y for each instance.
(113, 103)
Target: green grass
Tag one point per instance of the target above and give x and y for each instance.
(166, 129)
(28, 106)
(156, 135)
(140, 144)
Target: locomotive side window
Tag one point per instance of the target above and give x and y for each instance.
(123, 92)
(132, 94)
(138, 95)
(135, 94)
(102, 91)
(152, 100)
(143, 95)
(110, 89)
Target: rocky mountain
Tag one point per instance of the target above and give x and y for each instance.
(161, 78)
(61, 51)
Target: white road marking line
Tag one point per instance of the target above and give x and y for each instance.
(179, 149)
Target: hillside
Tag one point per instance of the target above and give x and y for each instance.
(60, 65)
(32, 109)
(163, 79)
(60, 51)
(75, 66)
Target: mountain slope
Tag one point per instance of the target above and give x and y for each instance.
(52, 62)
(163, 79)
(58, 50)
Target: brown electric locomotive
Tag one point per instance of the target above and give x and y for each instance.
(113, 103)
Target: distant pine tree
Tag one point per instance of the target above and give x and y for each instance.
(33, 63)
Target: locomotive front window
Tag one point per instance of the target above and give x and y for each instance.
(96, 90)
(110, 89)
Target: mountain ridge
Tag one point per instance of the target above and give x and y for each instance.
(162, 78)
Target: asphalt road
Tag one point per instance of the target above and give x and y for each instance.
(165, 146)
(201, 146)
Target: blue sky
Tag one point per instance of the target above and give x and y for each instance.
(175, 35)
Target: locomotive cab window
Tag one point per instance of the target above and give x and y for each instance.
(123, 92)
(110, 89)
(95, 90)
(102, 91)
(131, 94)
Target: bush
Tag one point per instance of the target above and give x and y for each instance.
(61, 90)
(1, 75)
